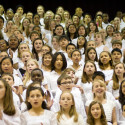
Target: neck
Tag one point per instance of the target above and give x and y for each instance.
(120, 78)
(46, 68)
(71, 35)
(98, 45)
(100, 99)
(58, 71)
(66, 112)
(63, 48)
(37, 110)
(76, 65)
(107, 66)
(98, 122)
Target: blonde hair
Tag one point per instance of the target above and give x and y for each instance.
(27, 74)
(115, 78)
(28, 52)
(72, 111)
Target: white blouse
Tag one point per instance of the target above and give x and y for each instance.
(47, 118)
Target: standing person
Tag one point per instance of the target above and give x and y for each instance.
(37, 109)
(68, 114)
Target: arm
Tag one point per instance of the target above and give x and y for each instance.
(114, 119)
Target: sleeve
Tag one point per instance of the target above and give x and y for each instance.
(81, 120)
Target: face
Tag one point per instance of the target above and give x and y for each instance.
(47, 60)
(38, 44)
(20, 10)
(76, 57)
(37, 76)
(59, 31)
(105, 58)
(66, 101)
(66, 15)
(81, 31)
(116, 46)
(35, 98)
(3, 45)
(109, 30)
(119, 69)
(7, 66)
(31, 65)
(1, 23)
(98, 39)
(96, 111)
(40, 10)
(89, 69)
(29, 16)
(25, 57)
(57, 19)
(59, 62)
(103, 32)
(63, 43)
(81, 41)
(2, 55)
(23, 47)
(105, 18)
(72, 29)
(70, 49)
(37, 29)
(31, 25)
(9, 25)
(91, 44)
(98, 89)
(117, 36)
(1, 9)
(18, 34)
(45, 49)
(55, 43)
(87, 19)
(117, 20)
(123, 88)
(9, 79)
(26, 23)
(116, 56)
(17, 17)
(92, 54)
(60, 10)
(36, 19)
(75, 19)
(52, 25)
(92, 27)
(71, 74)
(2, 90)
(13, 43)
(99, 19)
(99, 78)
(34, 36)
(10, 14)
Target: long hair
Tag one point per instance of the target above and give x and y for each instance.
(8, 104)
(27, 74)
(31, 88)
(85, 77)
(72, 111)
(121, 95)
(90, 119)
(115, 78)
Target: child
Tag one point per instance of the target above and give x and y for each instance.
(116, 55)
(37, 109)
(3, 45)
(65, 83)
(117, 78)
(68, 114)
(96, 114)
(9, 114)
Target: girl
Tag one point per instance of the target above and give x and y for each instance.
(60, 10)
(2, 55)
(31, 64)
(25, 56)
(47, 62)
(76, 58)
(117, 78)
(58, 19)
(99, 43)
(92, 29)
(6, 66)
(36, 20)
(66, 16)
(105, 65)
(68, 114)
(98, 20)
(87, 19)
(37, 109)
(99, 88)
(109, 32)
(81, 44)
(86, 79)
(3, 45)
(9, 114)
(72, 32)
(58, 65)
(55, 44)
(96, 114)
(37, 48)
(59, 30)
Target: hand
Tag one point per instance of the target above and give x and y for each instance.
(80, 88)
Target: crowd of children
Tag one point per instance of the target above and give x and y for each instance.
(58, 69)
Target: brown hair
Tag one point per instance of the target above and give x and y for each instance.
(90, 119)
(8, 104)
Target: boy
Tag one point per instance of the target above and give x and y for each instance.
(65, 83)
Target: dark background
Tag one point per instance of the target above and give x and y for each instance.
(107, 6)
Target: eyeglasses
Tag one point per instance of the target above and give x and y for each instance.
(67, 83)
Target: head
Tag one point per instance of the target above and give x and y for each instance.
(3, 54)
(35, 98)
(91, 44)
(69, 48)
(82, 30)
(59, 30)
(3, 45)
(116, 44)
(59, 61)
(55, 42)
(45, 49)
(98, 75)
(96, 112)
